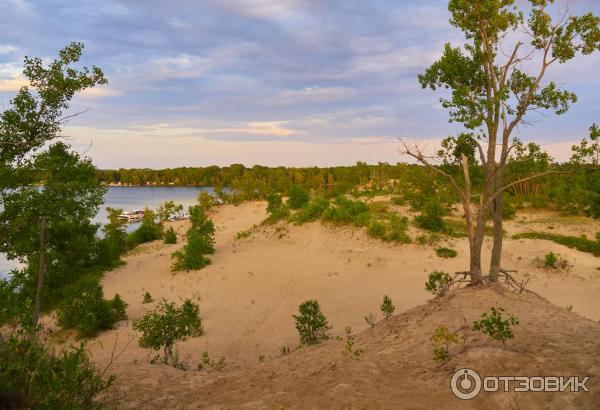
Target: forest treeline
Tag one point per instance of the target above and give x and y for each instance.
(574, 191)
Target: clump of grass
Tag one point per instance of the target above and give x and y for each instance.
(371, 318)
(575, 242)
(446, 253)
(170, 236)
(552, 261)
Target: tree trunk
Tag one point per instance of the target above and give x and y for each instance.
(41, 273)
(498, 238)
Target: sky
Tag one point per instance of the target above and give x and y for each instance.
(270, 82)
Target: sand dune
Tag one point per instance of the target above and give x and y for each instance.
(248, 295)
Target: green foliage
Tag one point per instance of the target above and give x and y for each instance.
(167, 325)
(550, 260)
(298, 197)
(387, 307)
(446, 253)
(347, 211)
(437, 282)
(575, 242)
(200, 242)
(431, 216)
(168, 211)
(206, 201)
(147, 298)
(114, 243)
(311, 324)
(495, 327)
(148, 231)
(207, 362)
(275, 206)
(442, 339)
(170, 236)
(32, 376)
(350, 349)
(86, 311)
(312, 211)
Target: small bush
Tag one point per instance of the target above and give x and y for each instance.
(207, 362)
(200, 242)
(32, 377)
(550, 260)
(442, 339)
(446, 253)
(311, 212)
(377, 230)
(86, 311)
(431, 219)
(170, 236)
(147, 298)
(437, 282)
(275, 207)
(348, 211)
(496, 328)
(297, 197)
(167, 325)
(387, 307)
(311, 323)
(349, 349)
(398, 200)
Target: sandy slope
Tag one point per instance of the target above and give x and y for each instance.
(248, 295)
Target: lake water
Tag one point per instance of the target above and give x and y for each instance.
(129, 198)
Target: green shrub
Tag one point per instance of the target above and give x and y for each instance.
(297, 197)
(398, 200)
(167, 325)
(377, 230)
(86, 311)
(349, 349)
(442, 339)
(432, 211)
(311, 212)
(371, 319)
(207, 362)
(575, 242)
(311, 324)
(206, 201)
(496, 328)
(147, 298)
(348, 211)
(200, 242)
(550, 260)
(275, 206)
(446, 253)
(170, 236)
(148, 231)
(32, 377)
(437, 282)
(387, 307)
(397, 229)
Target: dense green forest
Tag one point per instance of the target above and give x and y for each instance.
(572, 191)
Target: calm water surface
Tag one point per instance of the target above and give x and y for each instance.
(129, 198)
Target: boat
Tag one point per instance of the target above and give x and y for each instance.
(132, 216)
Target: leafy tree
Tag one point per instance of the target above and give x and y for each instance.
(206, 201)
(168, 211)
(49, 227)
(275, 206)
(200, 242)
(491, 93)
(587, 155)
(311, 323)
(52, 221)
(114, 242)
(298, 197)
(167, 325)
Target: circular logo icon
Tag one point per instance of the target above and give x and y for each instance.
(465, 384)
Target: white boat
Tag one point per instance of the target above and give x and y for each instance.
(132, 216)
